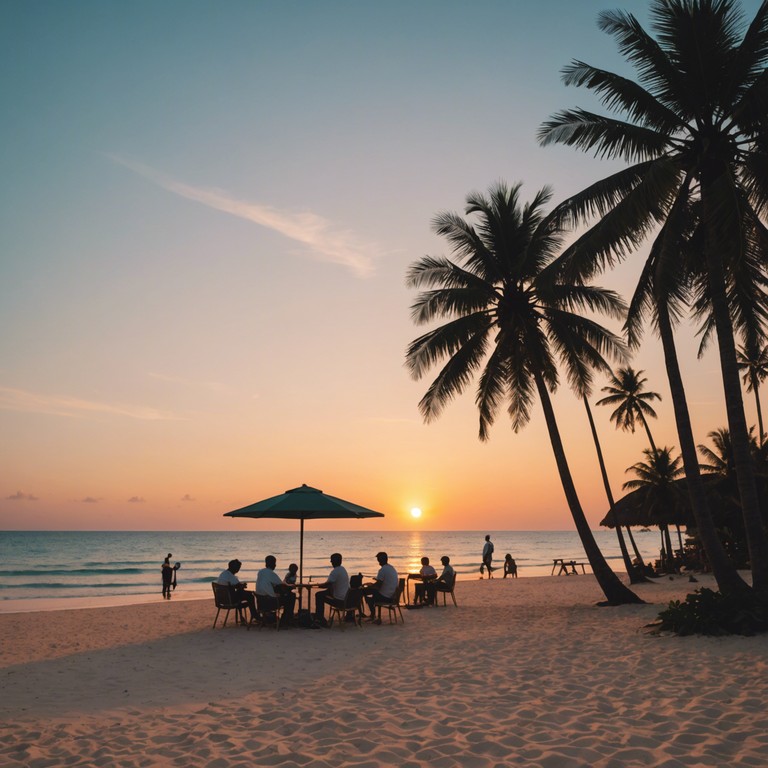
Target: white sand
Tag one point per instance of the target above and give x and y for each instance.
(526, 672)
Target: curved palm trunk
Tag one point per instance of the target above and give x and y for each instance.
(634, 547)
(635, 577)
(725, 573)
(737, 422)
(761, 437)
(615, 591)
(648, 432)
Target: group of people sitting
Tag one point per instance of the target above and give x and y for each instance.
(271, 592)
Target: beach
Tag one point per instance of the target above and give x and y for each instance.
(528, 672)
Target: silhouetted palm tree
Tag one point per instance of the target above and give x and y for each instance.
(694, 127)
(509, 321)
(661, 494)
(754, 365)
(626, 392)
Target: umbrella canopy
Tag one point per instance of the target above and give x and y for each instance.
(304, 503)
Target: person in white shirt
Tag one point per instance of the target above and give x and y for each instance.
(488, 556)
(427, 573)
(334, 588)
(385, 586)
(229, 577)
(444, 581)
(266, 581)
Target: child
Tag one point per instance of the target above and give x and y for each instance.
(291, 576)
(510, 566)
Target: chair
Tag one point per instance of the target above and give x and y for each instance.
(446, 588)
(351, 603)
(265, 608)
(393, 605)
(227, 600)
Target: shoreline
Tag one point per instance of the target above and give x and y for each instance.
(528, 671)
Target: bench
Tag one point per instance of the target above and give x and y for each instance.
(564, 565)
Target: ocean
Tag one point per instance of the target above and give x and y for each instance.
(59, 569)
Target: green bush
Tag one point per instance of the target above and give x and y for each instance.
(706, 612)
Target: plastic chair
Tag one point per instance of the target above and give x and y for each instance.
(227, 600)
(393, 605)
(446, 588)
(341, 608)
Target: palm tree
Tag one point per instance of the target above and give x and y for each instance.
(754, 365)
(661, 494)
(694, 126)
(626, 392)
(510, 320)
(635, 575)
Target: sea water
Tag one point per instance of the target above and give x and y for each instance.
(74, 567)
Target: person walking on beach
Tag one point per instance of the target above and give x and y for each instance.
(168, 573)
(488, 556)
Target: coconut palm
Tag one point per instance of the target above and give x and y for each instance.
(509, 322)
(661, 494)
(626, 392)
(754, 366)
(694, 127)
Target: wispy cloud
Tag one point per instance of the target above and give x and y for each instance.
(21, 496)
(90, 500)
(61, 405)
(324, 240)
(136, 500)
(187, 497)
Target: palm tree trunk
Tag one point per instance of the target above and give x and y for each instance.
(725, 573)
(757, 543)
(616, 593)
(634, 547)
(635, 577)
(759, 415)
(648, 432)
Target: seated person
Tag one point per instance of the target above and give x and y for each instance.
(444, 582)
(427, 573)
(383, 589)
(292, 576)
(510, 566)
(333, 590)
(266, 581)
(229, 576)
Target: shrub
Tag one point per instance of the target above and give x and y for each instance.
(706, 612)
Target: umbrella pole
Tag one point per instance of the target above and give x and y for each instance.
(301, 560)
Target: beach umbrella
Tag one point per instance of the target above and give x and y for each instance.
(304, 503)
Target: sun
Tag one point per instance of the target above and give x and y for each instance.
(415, 513)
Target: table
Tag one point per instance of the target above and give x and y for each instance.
(309, 586)
(415, 577)
(565, 565)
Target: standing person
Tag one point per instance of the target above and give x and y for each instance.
(266, 581)
(168, 573)
(229, 576)
(335, 588)
(488, 555)
(383, 589)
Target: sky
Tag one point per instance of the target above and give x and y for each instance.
(207, 211)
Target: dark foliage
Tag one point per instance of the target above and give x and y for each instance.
(706, 612)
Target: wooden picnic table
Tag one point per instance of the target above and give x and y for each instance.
(564, 565)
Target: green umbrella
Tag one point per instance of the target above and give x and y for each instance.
(303, 503)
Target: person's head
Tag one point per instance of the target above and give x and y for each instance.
(507, 556)
(425, 561)
(487, 536)
(445, 559)
(270, 561)
(293, 568)
(382, 558)
(335, 559)
(167, 560)
(234, 566)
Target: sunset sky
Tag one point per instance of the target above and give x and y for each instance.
(207, 211)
